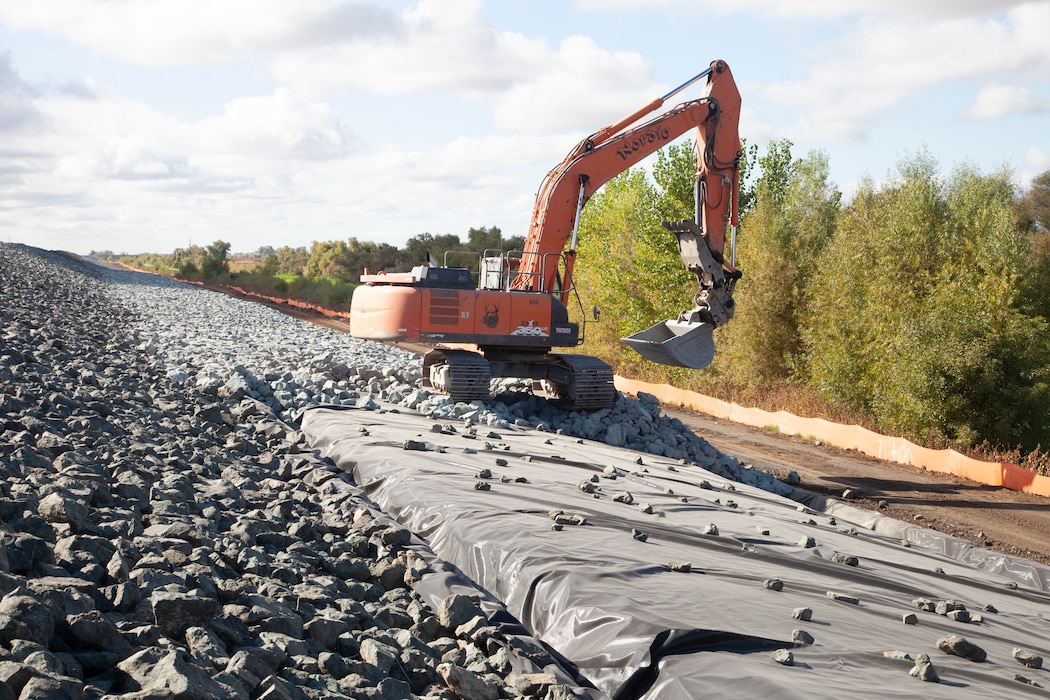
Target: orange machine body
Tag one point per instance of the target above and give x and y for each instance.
(408, 311)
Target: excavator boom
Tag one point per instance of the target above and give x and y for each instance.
(615, 148)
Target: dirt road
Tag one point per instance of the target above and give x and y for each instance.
(1006, 521)
(1000, 519)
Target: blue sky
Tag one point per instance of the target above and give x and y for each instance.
(145, 126)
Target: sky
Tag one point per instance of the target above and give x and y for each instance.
(149, 125)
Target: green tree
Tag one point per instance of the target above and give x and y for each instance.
(187, 269)
(481, 239)
(775, 174)
(675, 172)
(1033, 209)
(659, 263)
(875, 272)
(1035, 283)
(607, 271)
(187, 261)
(748, 165)
(513, 243)
(791, 219)
(214, 263)
(292, 261)
(330, 259)
(270, 265)
(917, 317)
(416, 249)
(1032, 214)
(386, 257)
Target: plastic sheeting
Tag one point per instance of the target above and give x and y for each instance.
(612, 605)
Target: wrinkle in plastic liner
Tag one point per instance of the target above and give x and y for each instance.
(614, 598)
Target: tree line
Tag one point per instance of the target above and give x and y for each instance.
(346, 260)
(341, 260)
(326, 272)
(919, 307)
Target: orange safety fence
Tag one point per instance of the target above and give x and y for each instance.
(853, 437)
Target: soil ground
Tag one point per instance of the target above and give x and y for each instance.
(997, 518)
(1006, 521)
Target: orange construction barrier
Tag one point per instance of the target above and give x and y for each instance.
(853, 437)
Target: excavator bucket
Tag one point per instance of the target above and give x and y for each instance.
(679, 343)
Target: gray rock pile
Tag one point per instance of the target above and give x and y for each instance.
(168, 535)
(211, 342)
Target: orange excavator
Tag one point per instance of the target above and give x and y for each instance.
(506, 321)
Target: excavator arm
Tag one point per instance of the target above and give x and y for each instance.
(610, 151)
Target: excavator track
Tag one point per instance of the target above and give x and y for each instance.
(590, 385)
(461, 374)
(577, 382)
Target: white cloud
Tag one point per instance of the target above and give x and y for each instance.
(126, 173)
(322, 46)
(109, 172)
(817, 8)
(275, 126)
(120, 139)
(582, 86)
(179, 32)
(447, 47)
(82, 88)
(1036, 162)
(882, 61)
(1003, 100)
(881, 52)
(439, 46)
(17, 108)
(1037, 159)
